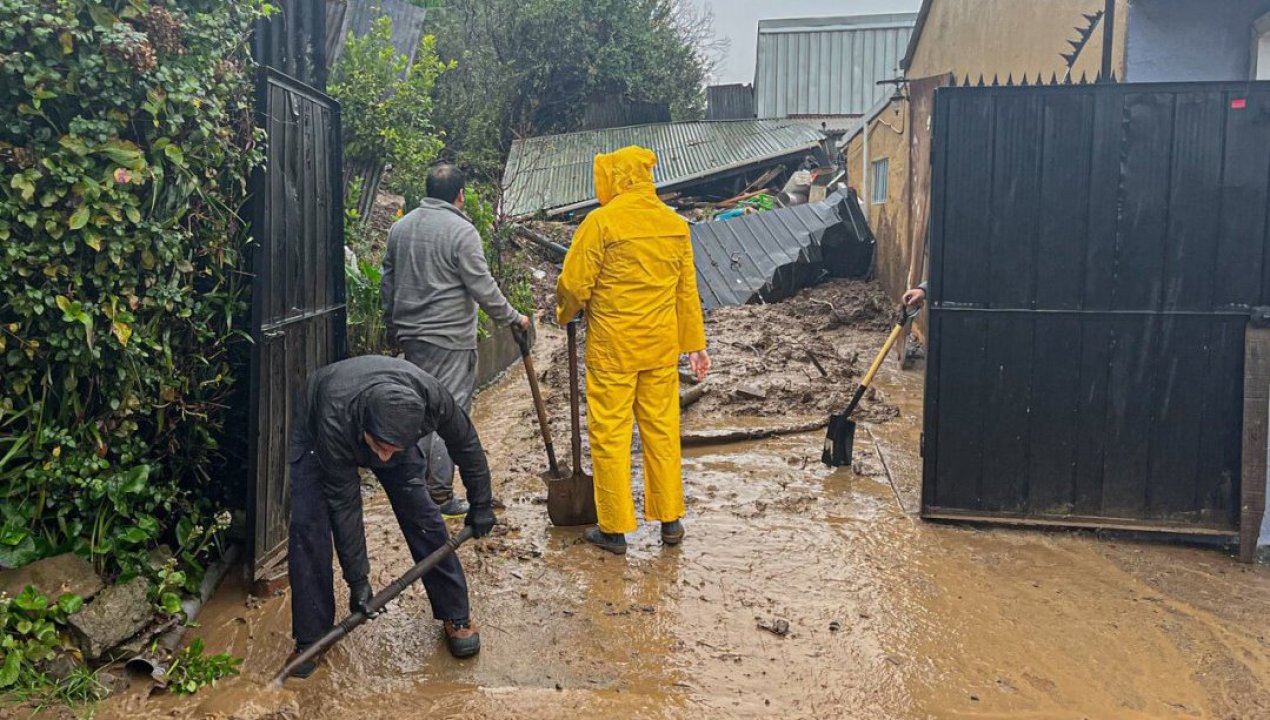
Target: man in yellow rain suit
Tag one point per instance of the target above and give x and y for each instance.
(630, 268)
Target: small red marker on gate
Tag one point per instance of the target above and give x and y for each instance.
(1239, 103)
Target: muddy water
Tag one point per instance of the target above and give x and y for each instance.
(799, 593)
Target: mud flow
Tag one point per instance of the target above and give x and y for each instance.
(799, 592)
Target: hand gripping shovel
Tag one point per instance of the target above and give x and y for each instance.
(571, 501)
(522, 339)
(841, 434)
(377, 603)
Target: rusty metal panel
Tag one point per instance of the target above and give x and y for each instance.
(298, 311)
(1096, 251)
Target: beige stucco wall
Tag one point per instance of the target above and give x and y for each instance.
(888, 138)
(1004, 37)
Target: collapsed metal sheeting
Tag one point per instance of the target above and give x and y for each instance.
(553, 173)
(770, 256)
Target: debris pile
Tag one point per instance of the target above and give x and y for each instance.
(797, 358)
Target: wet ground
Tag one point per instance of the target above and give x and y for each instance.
(799, 593)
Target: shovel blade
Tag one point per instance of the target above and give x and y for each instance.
(838, 441)
(571, 500)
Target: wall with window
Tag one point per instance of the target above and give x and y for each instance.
(886, 202)
(1185, 40)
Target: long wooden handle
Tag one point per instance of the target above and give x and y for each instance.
(377, 603)
(541, 409)
(575, 401)
(877, 363)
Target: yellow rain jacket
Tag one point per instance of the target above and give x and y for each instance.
(630, 267)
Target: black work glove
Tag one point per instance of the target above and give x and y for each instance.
(481, 519)
(359, 596)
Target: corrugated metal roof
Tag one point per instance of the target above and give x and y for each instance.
(828, 66)
(771, 255)
(553, 172)
(357, 16)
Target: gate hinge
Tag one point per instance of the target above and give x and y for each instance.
(921, 445)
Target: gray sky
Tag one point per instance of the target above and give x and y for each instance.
(737, 20)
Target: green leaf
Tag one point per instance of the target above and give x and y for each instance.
(135, 479)
(125, 153)
(74, 143)
(134, 535)
(79, 218)
(175, 154)
(102, 16)
(18, 555)
(31, 600)
(171, 603)
(70, 603)
(9, 671)
(184, 531)
(23, 184)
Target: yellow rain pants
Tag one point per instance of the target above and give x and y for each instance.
(630, 267)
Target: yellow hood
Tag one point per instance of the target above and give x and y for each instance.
(622, 171)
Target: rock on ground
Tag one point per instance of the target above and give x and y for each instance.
(53, 576)
(115, 615)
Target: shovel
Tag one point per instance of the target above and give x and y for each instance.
(522, 339)
(841, 433)
(377, 603)
(571, 501)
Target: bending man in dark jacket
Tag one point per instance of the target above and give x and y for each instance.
(370, 412)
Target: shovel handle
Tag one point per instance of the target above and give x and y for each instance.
(575, 400)
(905, 318)
(522, 339)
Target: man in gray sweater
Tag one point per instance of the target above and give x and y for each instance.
(434, 277)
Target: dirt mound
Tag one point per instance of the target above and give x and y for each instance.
(801, 357)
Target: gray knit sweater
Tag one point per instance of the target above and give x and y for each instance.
(435, 274)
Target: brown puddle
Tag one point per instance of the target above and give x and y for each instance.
(799, 592)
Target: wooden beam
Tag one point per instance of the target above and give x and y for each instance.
(1108, 39)
(1252, 476)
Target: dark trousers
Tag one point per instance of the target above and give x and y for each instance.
(310, 552)
(456, 371)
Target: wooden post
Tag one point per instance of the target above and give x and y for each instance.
(1252, 501)
(1108, 39)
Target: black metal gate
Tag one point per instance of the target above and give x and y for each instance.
(1095, 252)
(298, 312)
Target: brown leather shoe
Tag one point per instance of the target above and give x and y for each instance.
(462, 637)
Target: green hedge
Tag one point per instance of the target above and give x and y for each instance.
(126, 139)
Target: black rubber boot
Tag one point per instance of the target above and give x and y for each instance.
(462, 638)
(613, 542)
(672, 533)
(305, 670)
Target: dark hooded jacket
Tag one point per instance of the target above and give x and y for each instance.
(395, 402)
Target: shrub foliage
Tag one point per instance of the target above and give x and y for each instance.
(126, 139)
